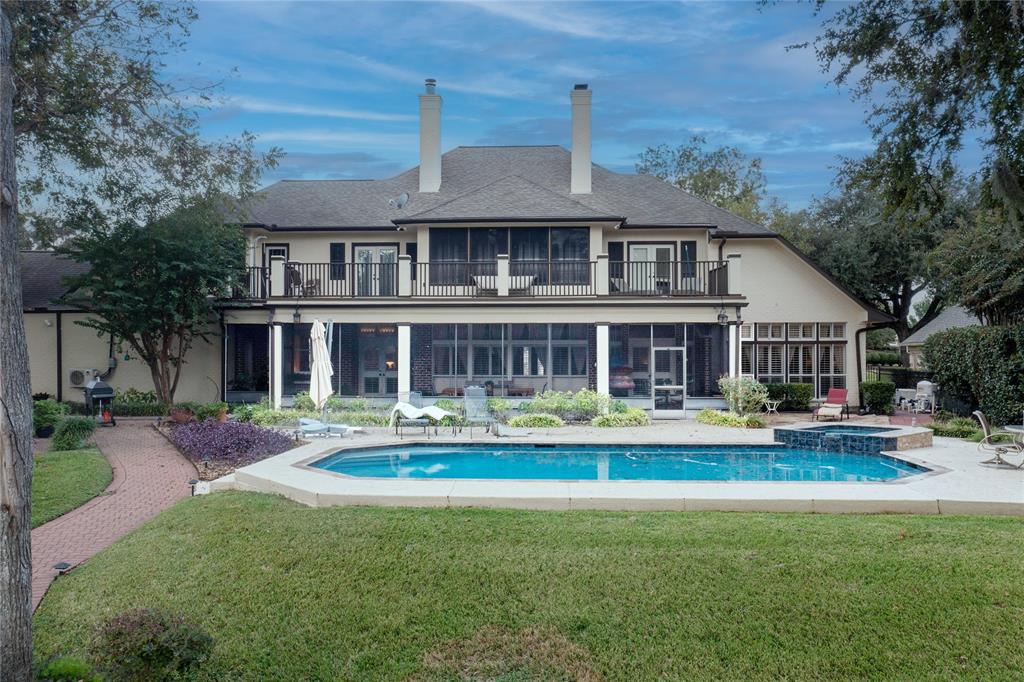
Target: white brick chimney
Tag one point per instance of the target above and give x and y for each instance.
(430, 139)
(580, 181)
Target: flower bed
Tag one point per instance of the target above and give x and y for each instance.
(218, 448)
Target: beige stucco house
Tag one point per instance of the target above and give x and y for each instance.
(519, 269)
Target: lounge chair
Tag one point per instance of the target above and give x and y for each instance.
(404, 411)
(416, 400)
(992, 445)
(834, 407)
(476, 412)
(315, 427)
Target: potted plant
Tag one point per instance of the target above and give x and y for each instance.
(46, 414)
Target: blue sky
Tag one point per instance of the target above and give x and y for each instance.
(335, 84)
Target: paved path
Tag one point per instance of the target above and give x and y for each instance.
(149, 476)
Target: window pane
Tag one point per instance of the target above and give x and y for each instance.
(528, 243)
(442, 360)
(448, 244)
(486, 243)
(530, 331)
(570, 243)
(569, 332)
(579, 361)
(560, 360)
(481, 361)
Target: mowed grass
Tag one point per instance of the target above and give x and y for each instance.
(62, 481)
(295, 593)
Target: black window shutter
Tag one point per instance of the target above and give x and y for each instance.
(616, 255)
(412, 250)
(337, 261)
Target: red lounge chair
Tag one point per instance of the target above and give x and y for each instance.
(835, 405)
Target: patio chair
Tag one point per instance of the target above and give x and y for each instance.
(476, 412)
(416, 400)
(314, 427)
(990, 445)
(406, 411)
(834, 407)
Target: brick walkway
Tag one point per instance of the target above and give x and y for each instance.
(149, 476)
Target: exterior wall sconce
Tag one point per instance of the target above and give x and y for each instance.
(723, 318)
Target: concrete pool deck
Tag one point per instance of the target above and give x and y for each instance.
(958, 484)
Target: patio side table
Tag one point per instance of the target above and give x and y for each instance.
(772, 406)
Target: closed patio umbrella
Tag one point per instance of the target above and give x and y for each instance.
(320, 368)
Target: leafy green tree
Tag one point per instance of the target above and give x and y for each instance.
(981, 266)
(723, 176)
(99, 128)
(879, 254)
(934, 73)
(154, 287)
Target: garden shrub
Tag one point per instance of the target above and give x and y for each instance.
(499, 408)
(745, 395)
(883, 357)
(981, 366)
(956, 427)
(67, 669)
(210, 411)
(47, 413)
(72, 433)
(536, 420)
(587, 404)
(550, 402)
(617, 406)
(878, 396)
(334, 403)
(360, 418)
(228, 443)
(355, 405)
(243, 412)
(633, 416)
(794, 397)
(302, 401)
(150, 645)
(133, 396)
(718, 418)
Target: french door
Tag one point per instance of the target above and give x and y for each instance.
(650, 268)
(668, 381)
(378, 367)
(376, 270)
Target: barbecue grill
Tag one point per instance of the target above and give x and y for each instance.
(99, 400)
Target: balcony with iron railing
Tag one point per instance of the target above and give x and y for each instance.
(500, 278)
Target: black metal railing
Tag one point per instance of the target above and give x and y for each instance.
(253, 285)
(479, 279)
(340, 280)
(668, 278)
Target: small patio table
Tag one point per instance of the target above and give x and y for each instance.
(772, 406)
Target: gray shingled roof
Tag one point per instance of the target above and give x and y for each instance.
(950, 318)
(489, 182)
(42, 274)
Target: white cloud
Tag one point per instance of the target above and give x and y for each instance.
(404, 141)
(257, 105)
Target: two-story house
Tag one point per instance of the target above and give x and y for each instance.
(524, 269)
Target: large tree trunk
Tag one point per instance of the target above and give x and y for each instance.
(15, 408)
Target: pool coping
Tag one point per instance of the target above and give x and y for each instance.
(956, 484)
(307, 464)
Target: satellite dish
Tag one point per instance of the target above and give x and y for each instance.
(400, 201)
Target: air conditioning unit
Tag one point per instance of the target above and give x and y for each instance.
(80, 377)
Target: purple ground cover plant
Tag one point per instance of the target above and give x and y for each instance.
(221, 445)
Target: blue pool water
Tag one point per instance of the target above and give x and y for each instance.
(615, 463)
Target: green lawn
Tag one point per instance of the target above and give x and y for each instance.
(366, 594)
(63, 481)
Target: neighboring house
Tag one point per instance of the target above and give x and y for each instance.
(950, 318)
(63, 354)
(526, 269)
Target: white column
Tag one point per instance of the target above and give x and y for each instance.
(277, 283)
(602, 359)
(734, 273)
(504, 274)
(405, 275)
(734, 338)
(276, 380)
(601, 275)
(404, 362)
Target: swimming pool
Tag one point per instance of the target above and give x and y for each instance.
(522, 461)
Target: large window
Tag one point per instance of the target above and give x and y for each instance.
(795, 352)
(551, 255)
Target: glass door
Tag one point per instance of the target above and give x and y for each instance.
(668, 382)
(376, 270)
(378, 365)
(650, 268)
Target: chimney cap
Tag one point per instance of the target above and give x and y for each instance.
(580, 86)
(431, 83)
